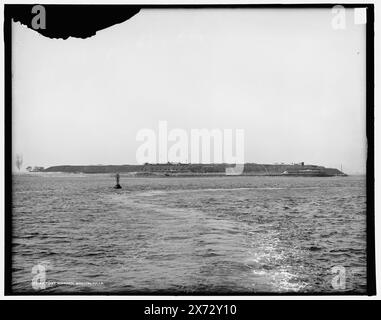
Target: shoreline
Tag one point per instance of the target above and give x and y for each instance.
(192, 175)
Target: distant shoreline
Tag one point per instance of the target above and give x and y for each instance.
(129, 175)
(191, 170)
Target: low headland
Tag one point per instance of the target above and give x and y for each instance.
(185, 169)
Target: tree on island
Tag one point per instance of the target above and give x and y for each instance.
(19, 161)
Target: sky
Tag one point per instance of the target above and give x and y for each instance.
(292, 82)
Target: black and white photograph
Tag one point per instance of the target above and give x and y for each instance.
(189, 150)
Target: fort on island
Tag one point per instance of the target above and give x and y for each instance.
(190, 169)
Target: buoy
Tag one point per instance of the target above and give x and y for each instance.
(117, 186)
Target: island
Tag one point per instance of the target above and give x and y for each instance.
(190, 169)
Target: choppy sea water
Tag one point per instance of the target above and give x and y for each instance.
(188, 235)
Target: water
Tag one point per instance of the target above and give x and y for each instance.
(189, 235)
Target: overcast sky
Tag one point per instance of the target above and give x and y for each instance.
(292, 82)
